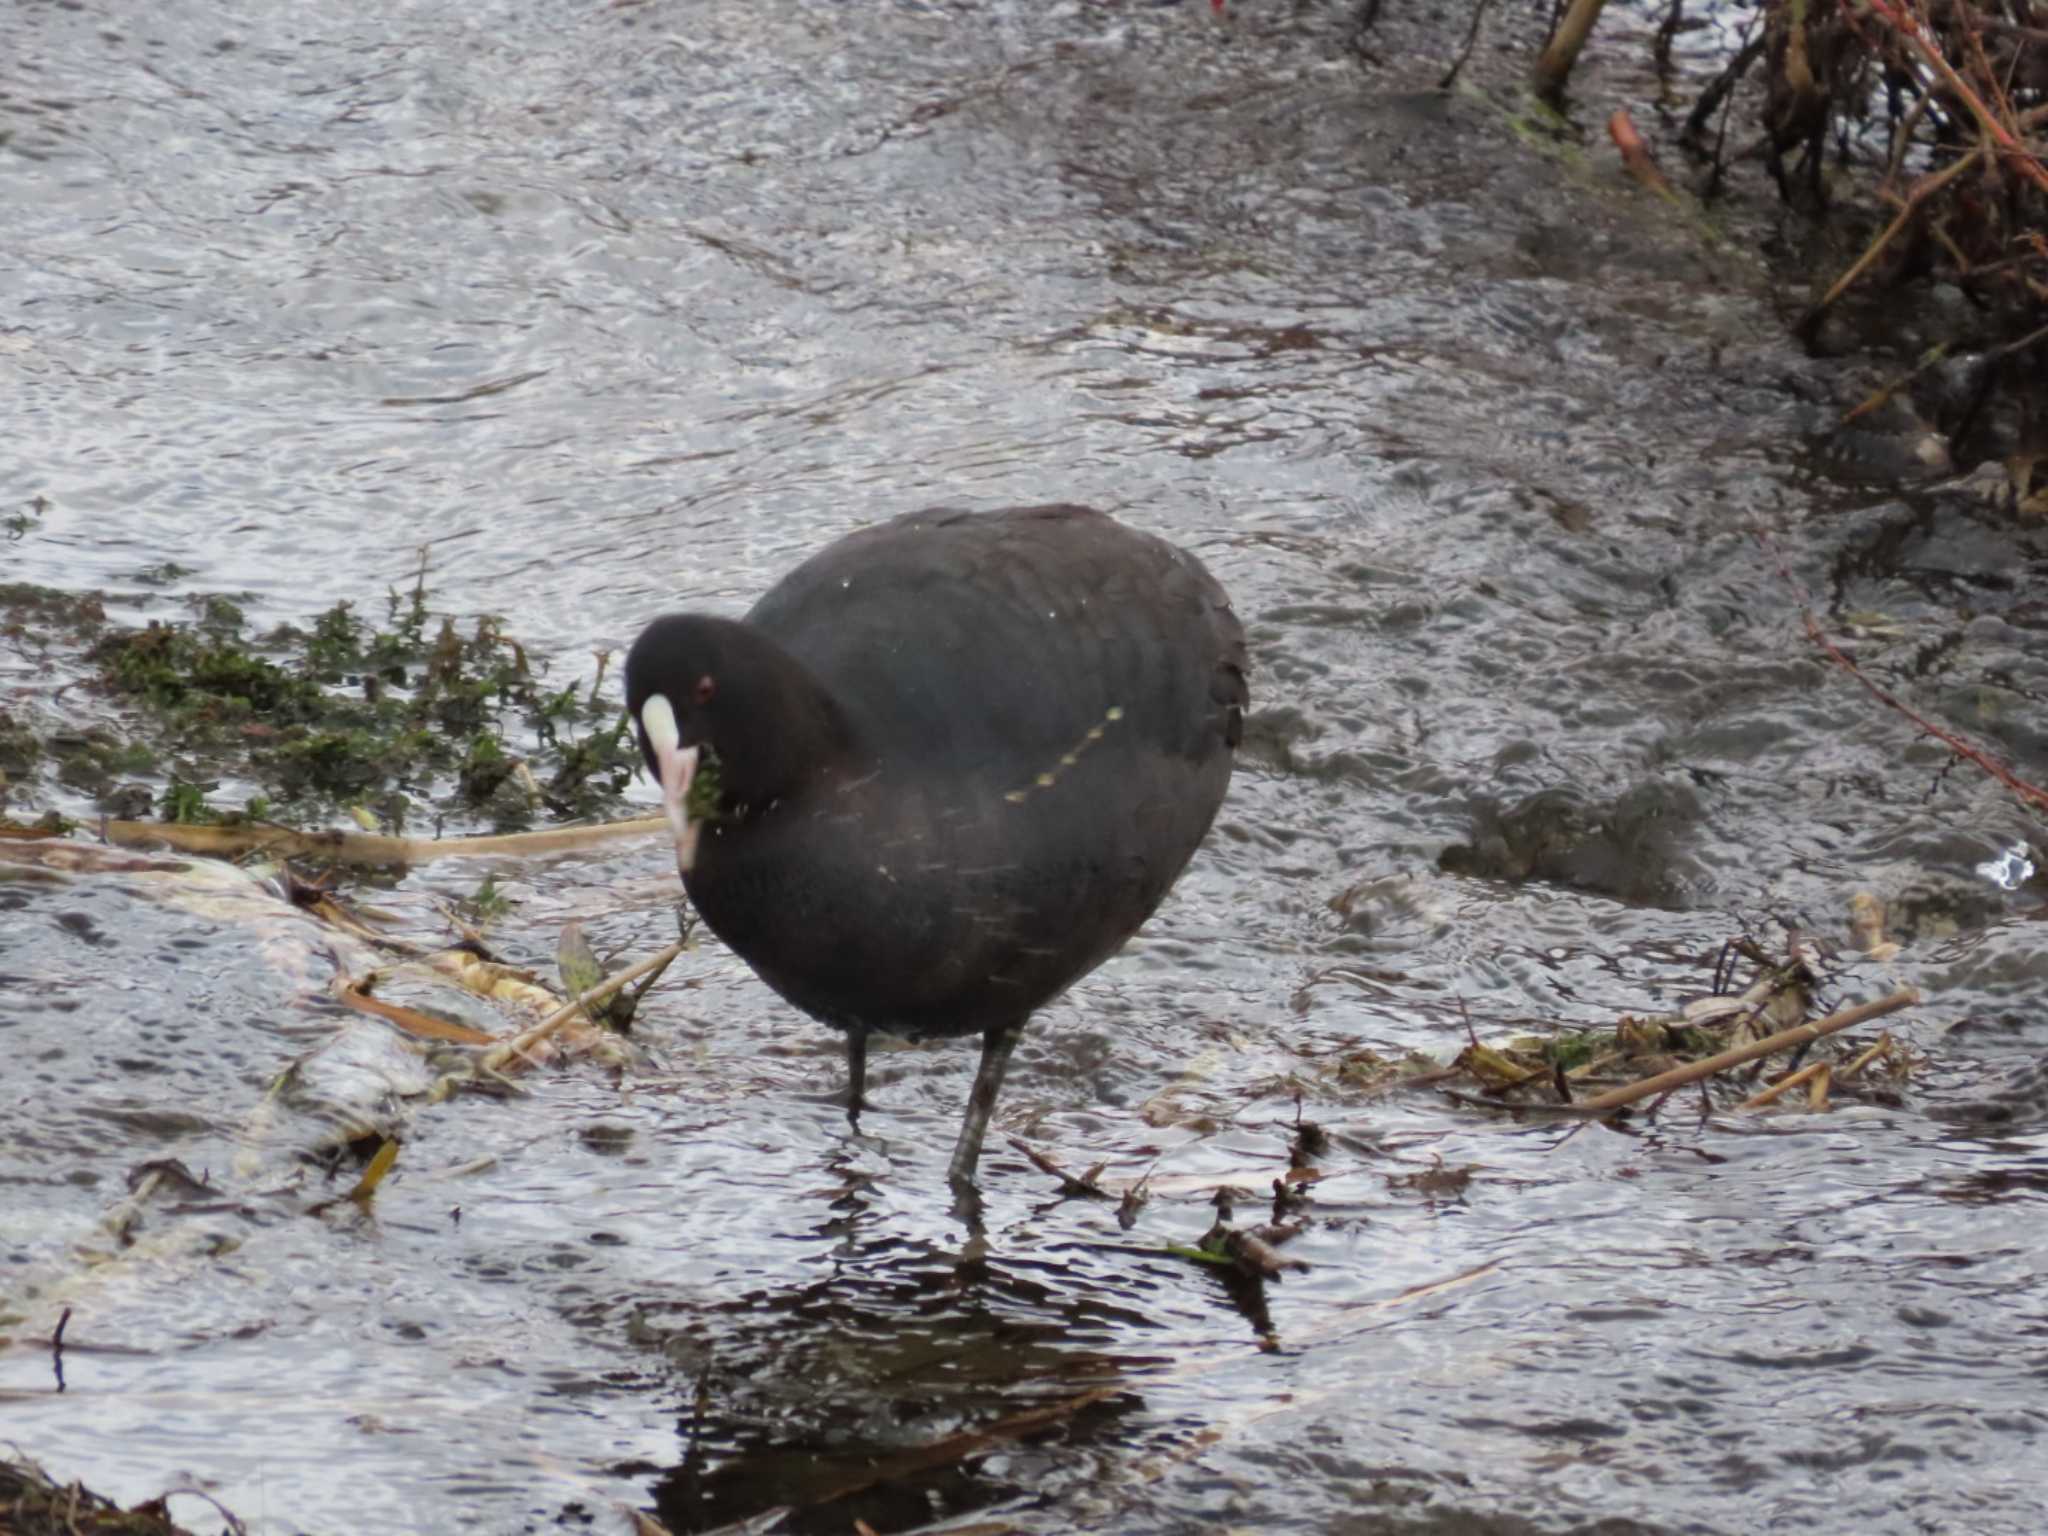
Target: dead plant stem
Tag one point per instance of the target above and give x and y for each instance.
(1784, 1039)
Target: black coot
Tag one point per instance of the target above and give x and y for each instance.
(945, 767)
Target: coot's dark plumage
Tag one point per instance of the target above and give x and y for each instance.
(957, 759)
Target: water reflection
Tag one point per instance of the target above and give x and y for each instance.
(907, 1384)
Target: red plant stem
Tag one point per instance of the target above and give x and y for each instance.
(1955, 743)
(2028, 793)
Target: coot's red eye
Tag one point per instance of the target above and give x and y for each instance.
(706, 687)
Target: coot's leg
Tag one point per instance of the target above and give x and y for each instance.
(996, 1045)
(856, 1074)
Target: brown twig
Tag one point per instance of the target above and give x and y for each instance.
(1785, 1084)
(497, 1056)
(1784, 1039)
(416, 1022)
(1855, 1068)
(1922, 190)
(1465, 53)
(1087, 1186)
(1996, 133)
(1720, 89)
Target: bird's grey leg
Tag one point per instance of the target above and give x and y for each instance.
(996, 1046)
(856, 1074)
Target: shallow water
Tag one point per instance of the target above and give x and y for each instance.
(624, 307)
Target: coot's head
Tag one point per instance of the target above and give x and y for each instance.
(727, 720)
(675, 676)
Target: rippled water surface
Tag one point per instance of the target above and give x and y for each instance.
(622, 306)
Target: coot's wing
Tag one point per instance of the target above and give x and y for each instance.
(1004, 643)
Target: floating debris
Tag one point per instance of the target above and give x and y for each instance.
(1087, 1186)
(1644, 1057)
(32, 1503)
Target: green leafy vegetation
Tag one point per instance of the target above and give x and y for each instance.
(705, 801)
(185, 804)
(344, 714)
(488, 904)
(19, 749)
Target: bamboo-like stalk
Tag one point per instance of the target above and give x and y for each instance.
(1555, 65)
(367, 847)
